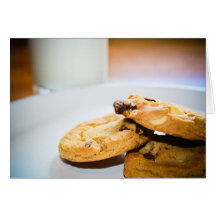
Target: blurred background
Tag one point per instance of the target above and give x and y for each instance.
(157, 61)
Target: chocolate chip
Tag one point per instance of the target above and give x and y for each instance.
(119, 106)
(139, 129)
(88, 144)
(127, 120)
(131, 106)
(149, 99)
(123, 127)
(149, 156)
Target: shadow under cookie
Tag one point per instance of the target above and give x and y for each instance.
(110, 162)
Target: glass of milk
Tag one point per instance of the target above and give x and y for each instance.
(64, 63)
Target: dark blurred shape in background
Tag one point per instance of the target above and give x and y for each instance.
(165, 61)
(21, 81)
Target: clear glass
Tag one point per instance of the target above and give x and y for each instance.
(64, 63)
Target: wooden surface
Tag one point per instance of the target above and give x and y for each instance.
(21, 80)
(163, 60)
(176, 61)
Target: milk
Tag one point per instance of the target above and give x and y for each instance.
(64, 63)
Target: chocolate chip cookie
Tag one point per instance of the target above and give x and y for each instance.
(172, 119)
(166, 157)
(102, 138)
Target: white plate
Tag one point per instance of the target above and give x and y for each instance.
(39, 122)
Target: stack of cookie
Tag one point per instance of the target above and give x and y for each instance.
(180, 152)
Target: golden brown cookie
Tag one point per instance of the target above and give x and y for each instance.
(169, 118)
(166, 157)
(102, 138)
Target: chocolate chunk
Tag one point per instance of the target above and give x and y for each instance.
(139, 129)
(149, 99)
(119, 106)
(123, 127)
(88, 144)
(149, 156)
(131, 106)
(127, 120)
